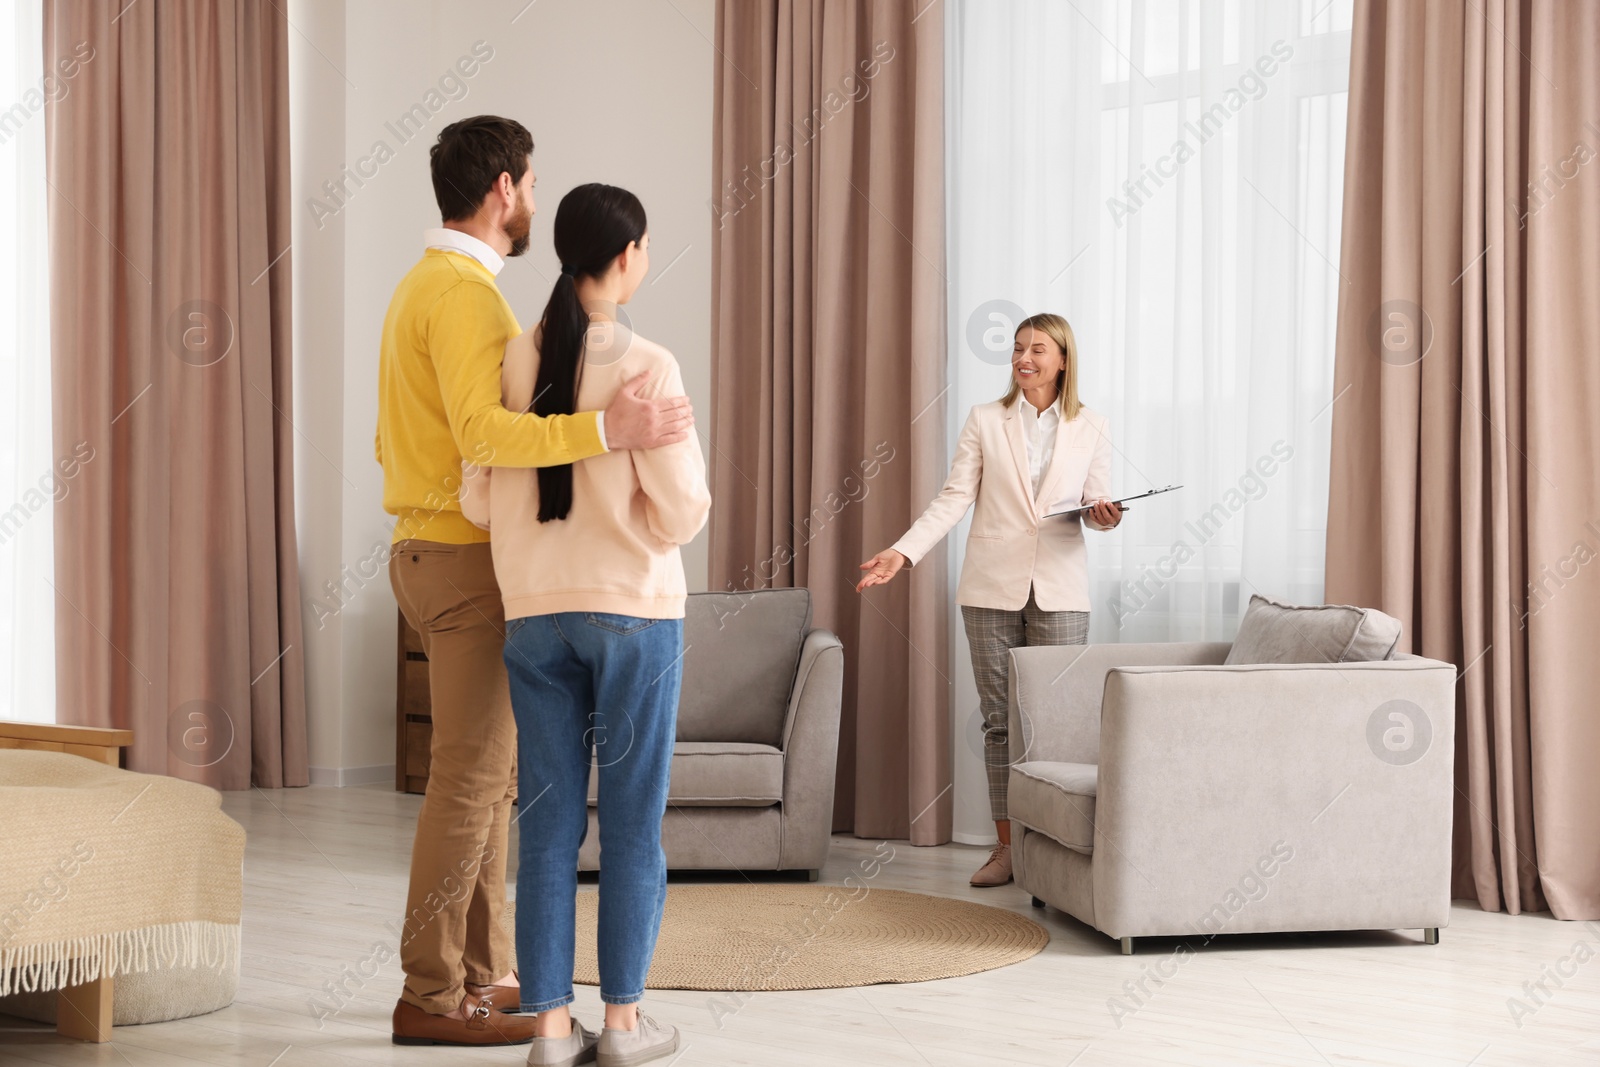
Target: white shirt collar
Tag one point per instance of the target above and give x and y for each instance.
(1049, 414)
(466, 244)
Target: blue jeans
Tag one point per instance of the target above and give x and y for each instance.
(591, 685)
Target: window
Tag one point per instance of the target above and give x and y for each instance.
(1167, 174)
(28, 484)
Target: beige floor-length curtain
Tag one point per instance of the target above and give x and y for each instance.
(1465, 491)
(829, 367)
(178, 607)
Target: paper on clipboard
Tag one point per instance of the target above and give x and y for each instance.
(1081, 508)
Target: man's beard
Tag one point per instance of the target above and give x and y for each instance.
(518, 228)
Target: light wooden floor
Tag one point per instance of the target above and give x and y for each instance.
(325, 870)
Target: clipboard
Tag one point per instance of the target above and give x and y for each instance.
(1081, 508)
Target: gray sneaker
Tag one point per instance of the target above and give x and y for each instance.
(577, 1047)
(628, 1048)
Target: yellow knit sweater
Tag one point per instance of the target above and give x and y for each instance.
(439, 399)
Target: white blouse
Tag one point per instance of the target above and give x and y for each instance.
(1039, 434)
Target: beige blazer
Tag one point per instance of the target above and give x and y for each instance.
(1011, 546)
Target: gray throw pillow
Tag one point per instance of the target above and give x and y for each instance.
(1271, 632)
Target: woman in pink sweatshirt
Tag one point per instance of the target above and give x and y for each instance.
(589, 568)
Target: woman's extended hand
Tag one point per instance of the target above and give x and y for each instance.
(881, 568)
(1106, 513)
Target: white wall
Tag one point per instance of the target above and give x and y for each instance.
(618, 91)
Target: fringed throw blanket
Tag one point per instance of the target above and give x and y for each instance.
(105, 872)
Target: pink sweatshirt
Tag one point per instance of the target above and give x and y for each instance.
(617, 549)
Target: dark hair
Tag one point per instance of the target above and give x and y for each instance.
(594, 224)
(469, 157)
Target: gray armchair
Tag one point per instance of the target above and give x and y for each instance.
(758, 738)
(1155, 791)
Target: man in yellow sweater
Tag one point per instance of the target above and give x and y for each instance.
(439, 402)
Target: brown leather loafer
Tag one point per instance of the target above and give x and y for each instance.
(502, 998)
(482, 1026)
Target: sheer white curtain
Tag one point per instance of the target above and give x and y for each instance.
(1166, 174)
(29, 481)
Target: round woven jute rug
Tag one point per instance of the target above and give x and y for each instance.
(769, 937)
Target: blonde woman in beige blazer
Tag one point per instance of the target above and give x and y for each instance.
(1026, 579)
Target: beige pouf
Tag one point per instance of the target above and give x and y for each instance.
(145, 997)
(770, 937)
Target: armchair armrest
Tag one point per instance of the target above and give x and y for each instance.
(1056, 691)
(1275, 797)
(810, 752)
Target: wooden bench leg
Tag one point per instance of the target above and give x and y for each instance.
(84, 1011)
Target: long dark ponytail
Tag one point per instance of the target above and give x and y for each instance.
(594, 224)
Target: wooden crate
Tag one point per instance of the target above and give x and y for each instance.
(413, 713)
